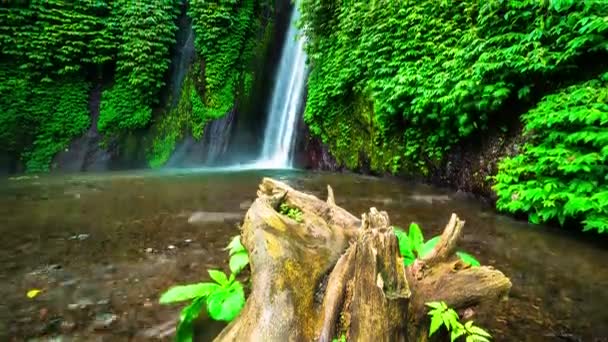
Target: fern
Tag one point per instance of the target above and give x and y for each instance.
(561, 172)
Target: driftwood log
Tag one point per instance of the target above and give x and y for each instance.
(334, 274)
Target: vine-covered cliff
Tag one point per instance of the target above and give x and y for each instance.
(401, 86)
(108, 69)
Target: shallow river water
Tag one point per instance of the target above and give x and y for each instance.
(103, 247)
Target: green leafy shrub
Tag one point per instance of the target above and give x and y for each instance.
(147, 35)
(291, 212)
(432, 73)
(122, 109)
(223, 298)
(412, 246)
(225, 32)
(562, 171)
(48, 49)
(39, 119)
(442, 315)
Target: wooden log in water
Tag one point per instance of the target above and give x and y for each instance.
(330, 274)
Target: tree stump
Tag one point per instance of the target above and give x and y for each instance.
(331, 274)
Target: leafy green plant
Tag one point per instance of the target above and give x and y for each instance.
(342, 338)
(442, 315)
(403, 83)
(291, 212)
(468, 259)
(239, 258)
(224, 31)
(223, 298)
(561, 172)
(412, 246)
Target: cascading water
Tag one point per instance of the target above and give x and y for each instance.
(287, 96)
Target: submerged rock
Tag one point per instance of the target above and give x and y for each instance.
(203, 217)
(104, 321)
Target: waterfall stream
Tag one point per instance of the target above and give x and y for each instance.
(285, 105)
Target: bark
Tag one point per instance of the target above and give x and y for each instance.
(332, 274)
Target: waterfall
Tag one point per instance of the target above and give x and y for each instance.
(287, 96)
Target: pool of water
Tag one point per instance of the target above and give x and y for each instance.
(103, 247)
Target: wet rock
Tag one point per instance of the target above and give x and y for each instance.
(81, 304)
(245, 205)
(67, 326)
(170, 247)
(430, 198)
(69, 282)
(80, 237)
(188, 240)
(203, 217)
(103, 302)
(149, 250)
(104, 321)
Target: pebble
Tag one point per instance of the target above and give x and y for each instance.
(103, 302)
(81, 304)
(80, 237)
(171, 247)
(69, 282)
(104, 321)
(188, 240)
(67, 326)
(149, 250)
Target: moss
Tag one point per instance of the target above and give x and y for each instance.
(356, 142)
(171, 127)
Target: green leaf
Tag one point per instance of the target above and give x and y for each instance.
(454, 334)
(436, 323)
(219, 277)
(238, 262)
(225, 305)
(187, 292)
(478, 331)
(468, 259)
(188, 314)
(415, 237)
(235, 246)
(434, 305)
(428, 246)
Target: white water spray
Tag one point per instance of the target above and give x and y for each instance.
(287, 96)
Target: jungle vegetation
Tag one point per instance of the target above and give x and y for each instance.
(401, 83)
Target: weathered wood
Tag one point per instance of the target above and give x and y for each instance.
(334, 274)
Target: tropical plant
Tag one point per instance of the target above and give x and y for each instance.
(402, 82)
(223, 298)
(562, 170)
(442, 315)
(412, 246)
(291, 212)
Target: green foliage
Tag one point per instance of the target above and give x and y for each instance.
(39, 119)
(188, 114)
(122, 109)
(431, 73)
(48, 49)
(57, 37)
(147, 34)
(225, 35)
(224, 297)
(442, 315)
(341, 339)
(291, 212)
(562, 170)
(468, 259)
(413, 246)
(239, 258)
